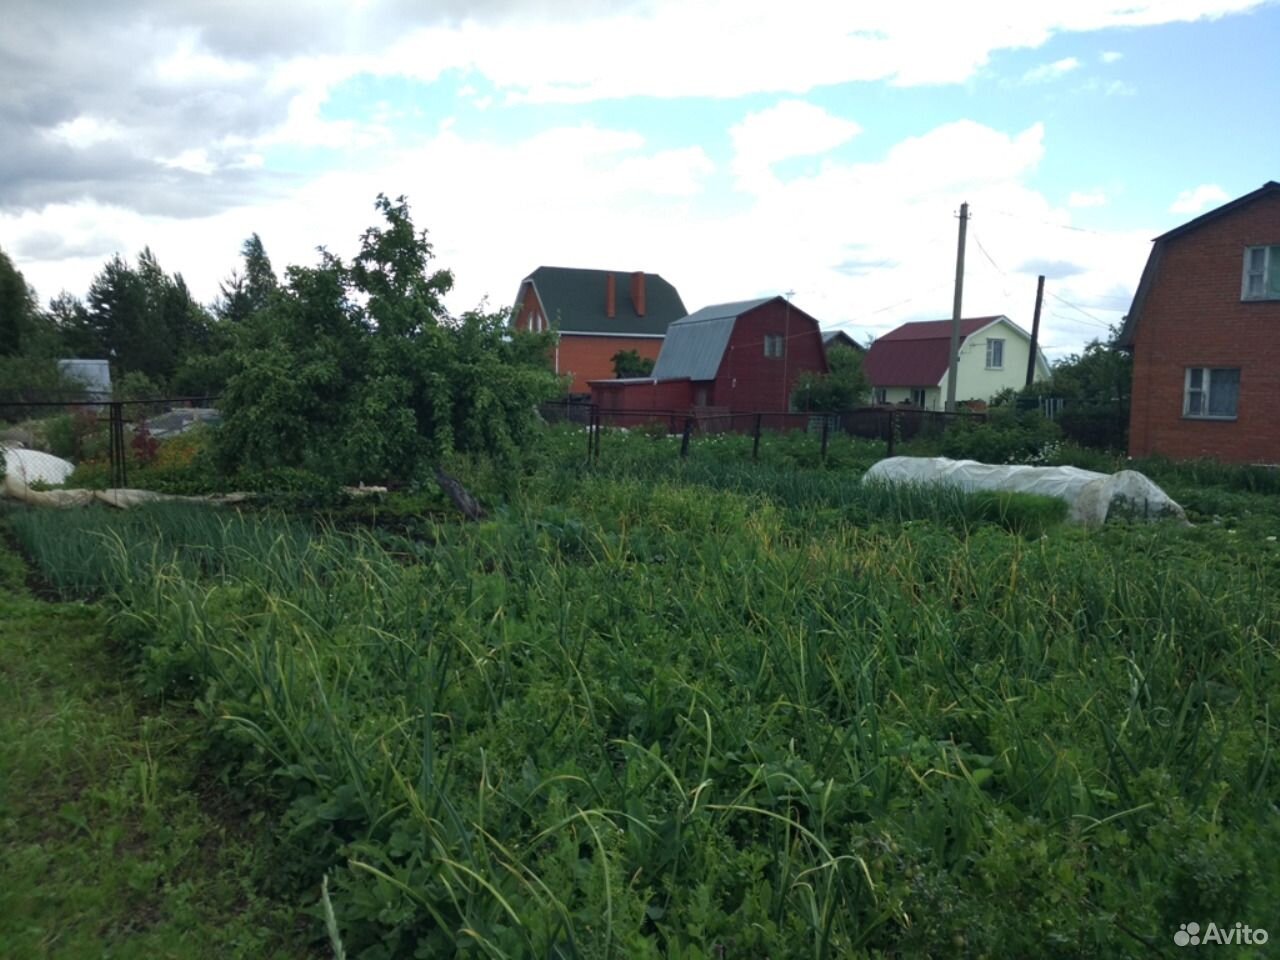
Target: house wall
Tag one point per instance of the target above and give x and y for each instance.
(634, 398)
(747, 380)
(529, 316)
(975, 382)
(588, 357)
(1194, 317)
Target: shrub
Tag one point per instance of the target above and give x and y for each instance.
(1100, 427)
(1005, 437)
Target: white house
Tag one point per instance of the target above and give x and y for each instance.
(909, 364)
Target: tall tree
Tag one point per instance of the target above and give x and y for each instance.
(17, 308)
(145, 320)
(246, 292)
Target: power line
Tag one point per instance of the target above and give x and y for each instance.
(1047, 223)
(1082, 310)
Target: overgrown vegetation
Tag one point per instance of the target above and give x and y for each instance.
(114, 842)
(355, 372)
(843, 387)
(721, 708)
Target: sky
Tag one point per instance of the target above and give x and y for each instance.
(740, 149)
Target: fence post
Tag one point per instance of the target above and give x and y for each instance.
(893, 417)
(755, 443)
(826, 429)
(684, 441)
(115, 446)
(591, 423)
(599, 430)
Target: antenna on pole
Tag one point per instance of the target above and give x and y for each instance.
(955, 312)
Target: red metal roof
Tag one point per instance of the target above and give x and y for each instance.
(915, 354)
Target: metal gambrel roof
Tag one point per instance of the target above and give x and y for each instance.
(695, 345)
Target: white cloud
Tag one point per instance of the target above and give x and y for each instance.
(194, 160)
(189, 64)
(1198, 199)
(792, 128)
(86, 131)
(1086, 198)
(759, 46)
(1051, 71)
(1110, 56)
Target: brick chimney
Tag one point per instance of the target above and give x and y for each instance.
(637, 292)
(610, 295)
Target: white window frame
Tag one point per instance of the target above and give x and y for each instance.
(991, 342)
(919, 396)
(773, 345)
(1265, 272)
(1205, 389)
(881, 395)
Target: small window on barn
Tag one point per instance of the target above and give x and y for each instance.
(773, 345)
(995, 354)
(1211, 393)
(1261, 273)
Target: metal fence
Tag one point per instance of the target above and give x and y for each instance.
(90, 416)
(887, 424)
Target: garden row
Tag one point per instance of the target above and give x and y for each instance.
(722, 709)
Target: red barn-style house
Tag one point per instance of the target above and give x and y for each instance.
(1204, 330)
(742, 357)
(597, 313)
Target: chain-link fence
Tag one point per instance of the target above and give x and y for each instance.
(77, 429)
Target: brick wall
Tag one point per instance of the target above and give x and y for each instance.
(1194, 317)
(591, 358)
(529, 316)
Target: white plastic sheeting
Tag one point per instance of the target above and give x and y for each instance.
(1091, 496)
(32, 466)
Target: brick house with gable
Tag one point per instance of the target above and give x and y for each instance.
(597, 313)
(1204, 330)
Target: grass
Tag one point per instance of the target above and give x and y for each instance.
(713, 708)
(112, 847)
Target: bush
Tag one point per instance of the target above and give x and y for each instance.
(1103, 428)
(1006, 437)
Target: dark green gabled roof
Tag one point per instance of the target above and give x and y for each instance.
(574, 301)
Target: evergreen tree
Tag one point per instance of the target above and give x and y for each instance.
(245, 293)
(17, 308)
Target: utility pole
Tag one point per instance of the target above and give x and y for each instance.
(955, 312)
(1035, 331)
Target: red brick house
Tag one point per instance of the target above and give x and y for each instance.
(1204, 330)
(597, 314)
(742, 357)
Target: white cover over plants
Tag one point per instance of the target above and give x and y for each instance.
(1091, 496)
(32, 466)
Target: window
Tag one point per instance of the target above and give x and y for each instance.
(773, 344)
(1261, 274)
(1211, 392)
(881, 395)
(995, 354)
(917, 396)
